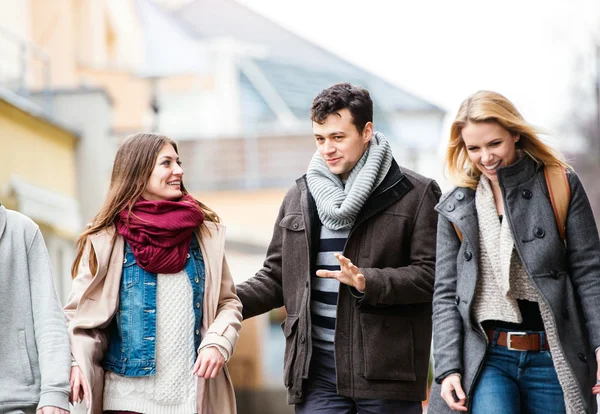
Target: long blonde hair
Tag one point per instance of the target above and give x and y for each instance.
(487, 106)
(132, 168)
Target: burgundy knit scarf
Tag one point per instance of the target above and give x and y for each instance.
(160, 232)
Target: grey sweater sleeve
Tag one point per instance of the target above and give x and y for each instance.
(50, 328)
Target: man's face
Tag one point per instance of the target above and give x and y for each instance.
(339, 142)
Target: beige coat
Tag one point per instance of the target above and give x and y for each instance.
(94, 302)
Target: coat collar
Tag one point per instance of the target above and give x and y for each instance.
(105, 243)
(393, 188)
(519, 172)
(458, 205)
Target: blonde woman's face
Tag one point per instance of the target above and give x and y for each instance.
(489, 147)
(166, 178)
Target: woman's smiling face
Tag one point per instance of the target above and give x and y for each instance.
(489, 147)
(166, 178)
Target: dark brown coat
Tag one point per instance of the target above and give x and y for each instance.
(382, 339)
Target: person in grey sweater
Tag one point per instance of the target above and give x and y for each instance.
(35, 357)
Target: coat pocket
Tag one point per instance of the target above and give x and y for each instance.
(387, 347)
(25, 360)
(289, 327)
(131, 272)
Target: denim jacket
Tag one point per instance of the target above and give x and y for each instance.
(132, 333)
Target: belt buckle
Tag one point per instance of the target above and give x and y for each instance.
(509, 336)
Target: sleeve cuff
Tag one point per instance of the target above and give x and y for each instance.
(54, 399)
(441, 378)
(222, 350)
(356, 293)
(218, 341)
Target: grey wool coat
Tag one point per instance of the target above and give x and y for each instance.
(382, 339)
(568, 277)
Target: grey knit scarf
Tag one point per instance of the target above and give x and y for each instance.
(338, 205)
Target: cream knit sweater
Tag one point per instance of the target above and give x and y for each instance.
(503, 280)
(172, 390)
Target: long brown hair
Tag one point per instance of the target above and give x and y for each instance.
(487, 106)
(132, 168)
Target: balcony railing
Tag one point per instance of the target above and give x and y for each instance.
(24, 66)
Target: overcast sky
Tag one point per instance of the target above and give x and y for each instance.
(533, 51)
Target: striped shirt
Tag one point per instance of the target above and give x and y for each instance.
(324, 291)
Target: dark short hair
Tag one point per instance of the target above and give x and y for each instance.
(341, 96)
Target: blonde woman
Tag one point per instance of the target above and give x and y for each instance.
(153, 314)
(516, 311)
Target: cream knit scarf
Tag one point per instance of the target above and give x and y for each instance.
(339, 204)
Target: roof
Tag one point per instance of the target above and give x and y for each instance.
(289, 55)
(169, 49)
(31, 108)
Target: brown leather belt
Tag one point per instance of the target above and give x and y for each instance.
(518, 341)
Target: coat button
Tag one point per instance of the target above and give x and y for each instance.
(298, 394)
(302, 340)
(538, 232)
(198, 304)
(526, 194)
(295, 226)
(197, 332)
(450, 206)
(125, 260)
(457, 300)
(554, 274)
(459, 195)
(467, 255)
(582, 357)
(196, 280)
(188, 256)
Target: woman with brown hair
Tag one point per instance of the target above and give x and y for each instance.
(153, 315)
(516, 304)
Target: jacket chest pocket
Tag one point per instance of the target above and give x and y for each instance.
(131, 271)
(294, 247)
(199, 266)
(293, 223)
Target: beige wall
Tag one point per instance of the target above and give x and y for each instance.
(86, 34)
(52, 29)
(130, 98)
(39, 153)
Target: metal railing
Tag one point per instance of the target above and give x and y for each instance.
(24, 66)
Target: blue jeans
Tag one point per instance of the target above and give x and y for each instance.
(322, 396)
(514, 382)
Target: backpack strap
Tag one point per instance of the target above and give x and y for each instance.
(560, 196)
(458, 232)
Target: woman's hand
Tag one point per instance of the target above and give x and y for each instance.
(209, 363)
(452, 383)
(348, 274)
(51, 410)
(79, 388)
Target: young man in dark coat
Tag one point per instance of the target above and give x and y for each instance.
(352, 260)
